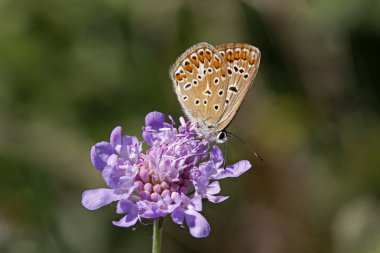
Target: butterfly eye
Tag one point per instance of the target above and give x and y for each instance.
(221, 137)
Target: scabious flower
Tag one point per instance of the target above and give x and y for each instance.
(172, 176)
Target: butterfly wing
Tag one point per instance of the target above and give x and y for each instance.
(242, 64)
(200, 80)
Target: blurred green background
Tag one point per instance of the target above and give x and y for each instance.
(70, 71)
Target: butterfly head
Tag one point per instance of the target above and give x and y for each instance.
(209, 133)
(221, 137)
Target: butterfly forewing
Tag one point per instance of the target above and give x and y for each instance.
(200, 81)
(242, 64)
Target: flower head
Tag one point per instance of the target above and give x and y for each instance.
(172, 176)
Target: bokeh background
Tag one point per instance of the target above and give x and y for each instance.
(70, 71)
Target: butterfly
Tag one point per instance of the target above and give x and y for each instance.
(211, 84)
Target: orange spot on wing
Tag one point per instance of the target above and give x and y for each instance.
(217, 64)
(244, 55)
(237, 54)
(229, 56)
(195, 62)
(252, 61)
(188, 68)
(223, 72)
(208, 56)
(180, 77)
(201, 58)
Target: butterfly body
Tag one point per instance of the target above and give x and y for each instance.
(206, 130)
(212, 82)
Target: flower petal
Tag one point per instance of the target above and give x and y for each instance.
(217, 156)
(197, 202)
(121, 143)
(111, 172)
(155, 120)
(126, 206)
(217, 199)
(100, 154)
(94, 199)
(127, 221)
(148, 136)
(178, 215)
(116, 137)
(233, 170)
(150, 210)
(197, 224)
(213, 188)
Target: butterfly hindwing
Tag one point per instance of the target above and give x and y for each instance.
(242, 64)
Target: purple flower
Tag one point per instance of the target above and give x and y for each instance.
(172, 176)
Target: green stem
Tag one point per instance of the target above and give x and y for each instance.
(157, 235)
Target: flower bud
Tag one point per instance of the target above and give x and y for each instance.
(154, 196)
(157, 188)
(148, 187)
(144, 175)
(164, 185)
(165, 193)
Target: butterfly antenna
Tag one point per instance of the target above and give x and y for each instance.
(225, 155)
(246, 145)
